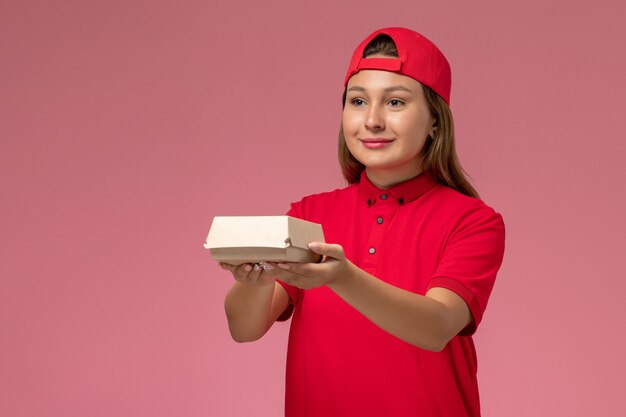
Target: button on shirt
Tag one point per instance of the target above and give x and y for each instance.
(415, 235)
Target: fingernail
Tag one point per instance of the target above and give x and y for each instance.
(284, 266)
(314, 246)
(247, 268)
(257, 267)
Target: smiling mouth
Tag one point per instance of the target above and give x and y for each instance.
(376, 140)
(375, 143)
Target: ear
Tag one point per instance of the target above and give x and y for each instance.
(433, 129)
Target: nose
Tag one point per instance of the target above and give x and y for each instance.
(375, 120)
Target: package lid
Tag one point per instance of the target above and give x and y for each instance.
(262, 232)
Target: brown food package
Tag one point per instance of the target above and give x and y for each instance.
(250, 239)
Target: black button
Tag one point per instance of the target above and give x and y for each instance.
(369, 202)
(383, 196)
(401, 200)
(372, 251)
(379, 220)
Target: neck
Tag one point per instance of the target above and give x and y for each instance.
(386, 179)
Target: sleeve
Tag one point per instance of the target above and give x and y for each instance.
(470, 261)
(294, 292)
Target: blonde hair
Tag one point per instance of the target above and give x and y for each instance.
(439, 153)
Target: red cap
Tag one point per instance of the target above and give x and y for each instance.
(418, 58)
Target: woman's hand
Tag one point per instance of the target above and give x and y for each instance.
(254, 301)
(257, 274)
(334, 267)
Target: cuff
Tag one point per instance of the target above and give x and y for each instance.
(467, 295)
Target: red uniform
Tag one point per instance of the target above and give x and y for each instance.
(416, 235)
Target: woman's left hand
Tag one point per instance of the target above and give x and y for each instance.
(333, 267)
(426, 321)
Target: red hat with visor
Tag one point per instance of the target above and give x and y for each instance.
(418, 58)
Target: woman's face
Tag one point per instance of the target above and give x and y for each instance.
(386, 121)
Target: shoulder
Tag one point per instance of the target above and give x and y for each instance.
(311, 204)
(461, 212)
(452, 202)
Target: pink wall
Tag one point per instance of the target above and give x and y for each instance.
(125, 126)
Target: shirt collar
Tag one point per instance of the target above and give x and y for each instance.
(402, 193)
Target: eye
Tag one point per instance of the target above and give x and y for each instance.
(357, 101)
(395, 102)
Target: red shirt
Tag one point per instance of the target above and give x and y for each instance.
(416, 235)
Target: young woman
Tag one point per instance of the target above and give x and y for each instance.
(383, 325)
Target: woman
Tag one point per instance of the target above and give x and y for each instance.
(383, 325)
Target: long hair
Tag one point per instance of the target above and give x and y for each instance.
(439, 155)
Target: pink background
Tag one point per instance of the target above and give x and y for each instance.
(126, 126)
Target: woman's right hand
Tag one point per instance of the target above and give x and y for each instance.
(254, 274)
(254, 301)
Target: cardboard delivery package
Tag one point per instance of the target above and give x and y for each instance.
(250, 239)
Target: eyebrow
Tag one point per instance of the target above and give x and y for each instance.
(387, 90)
